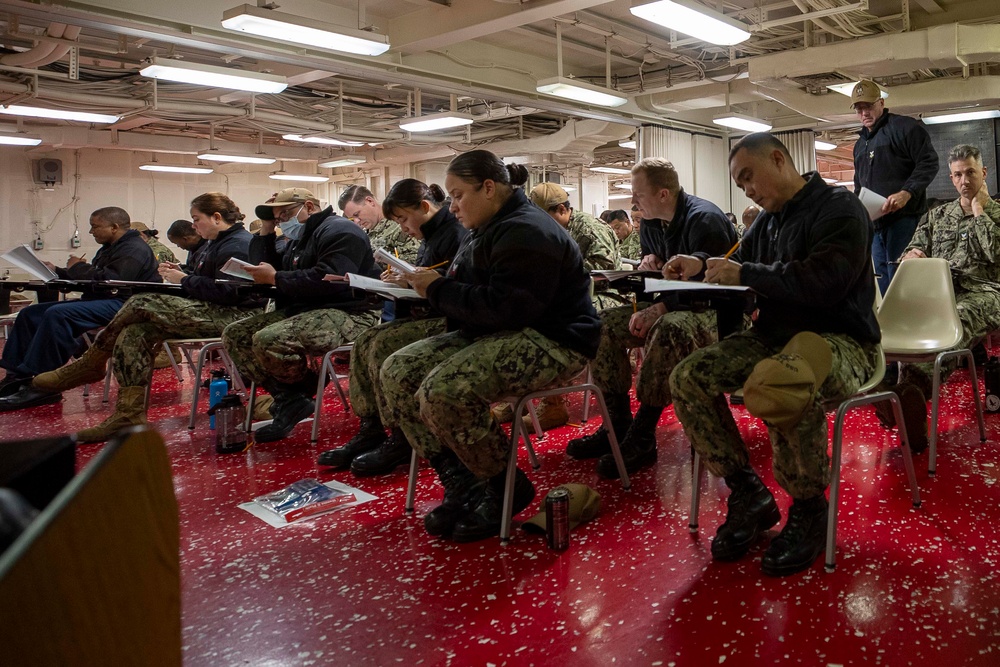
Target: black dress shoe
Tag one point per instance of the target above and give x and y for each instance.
(288, 410)
(394, 451)
(801, 541)
(369, 436)
(28, 397)
(485, 519)
(751, 511)
(12, 383)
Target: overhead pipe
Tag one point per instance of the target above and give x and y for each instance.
(39, 53)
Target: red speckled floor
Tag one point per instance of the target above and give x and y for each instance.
(368, 586)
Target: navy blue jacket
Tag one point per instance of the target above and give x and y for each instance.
(193, 256)
(698, 228)
(896, 154)
(128, 258)
(203, 285)
(443, 234)
(330, 244)
(811, 266)
(520, 270)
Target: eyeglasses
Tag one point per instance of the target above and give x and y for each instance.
(286, 214)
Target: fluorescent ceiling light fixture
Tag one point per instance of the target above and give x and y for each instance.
(58, 114)
(176, 168)
(848, 88)
(824, 145)
(619, 196)
(19, 140)
(959, 117)
(846, 183)
(304, 31)
(628, 143)
(611, 170)
(740, 121)
(568, 188)
(580, 91)
(345, 161)
(624, 186)
(326, 141)
(435, 121)
(308, 178)
(212, 76)
(216, 156)
(695, 20)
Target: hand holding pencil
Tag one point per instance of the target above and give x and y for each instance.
(722, 270)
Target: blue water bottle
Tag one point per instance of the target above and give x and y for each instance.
(217, 388)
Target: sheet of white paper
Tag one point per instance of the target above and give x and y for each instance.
(872, 201)
(381, 287)
(234, 268)
(24, 258)
(385, 257)
(660, 285)
(272, 519)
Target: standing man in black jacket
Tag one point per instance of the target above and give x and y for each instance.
(312, 315)
(893, 157)
(45, 335)
(673, 223)
(807, 257)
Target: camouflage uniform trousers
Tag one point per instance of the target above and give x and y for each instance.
(276, 346)
(980, 315)
(800, 460)
(135, 335)
(439, 390)
(370, 351)
(672, 337)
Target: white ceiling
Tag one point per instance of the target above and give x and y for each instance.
(490, 54)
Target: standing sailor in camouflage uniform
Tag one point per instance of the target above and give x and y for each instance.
(519, 316)
(421, 213)
(137, 332)
(808, 259)
(312, 316)
(966, 232)
(674, 222)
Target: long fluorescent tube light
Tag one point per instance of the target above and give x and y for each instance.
(629, 143)
(959, 117)
(58, 114)
(215, 77)
(611, 170)
(740, 121)
(345, 161)
(216, 156)
(304, 31)
(624, 186)
(176, 168)
(19, 140)
(580, 91)
(695, 20)
(847, 89)
(824, 145)
(309, 178)
(435, 121)
(326, 141)
(619, 196)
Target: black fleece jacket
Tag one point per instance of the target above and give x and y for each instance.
(520, 270)
(202, 285)
(194, 256)
(811, 266)
(128, 258)
(896, 154)
(699, 228)
(443, 234)
(330, 244)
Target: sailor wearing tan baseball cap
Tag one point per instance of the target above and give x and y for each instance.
(285, 197)
(549, 195)
(865, 91)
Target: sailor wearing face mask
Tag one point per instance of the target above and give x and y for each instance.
(312, 316)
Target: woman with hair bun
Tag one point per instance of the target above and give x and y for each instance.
(420, 211)
(136, 333)
(519, 318)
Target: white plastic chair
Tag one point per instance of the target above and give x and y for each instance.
(919, 321)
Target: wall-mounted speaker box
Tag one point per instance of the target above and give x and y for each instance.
(47, 171)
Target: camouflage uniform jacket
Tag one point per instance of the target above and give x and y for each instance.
(970, 244)
(162, 252)
(387, 234)
(597, 242)
(629, 248)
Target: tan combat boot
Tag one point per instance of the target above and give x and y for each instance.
(551, 412)
(91, 367)
(130, 410)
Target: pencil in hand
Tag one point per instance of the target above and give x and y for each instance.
(439, 265)
(731, 251)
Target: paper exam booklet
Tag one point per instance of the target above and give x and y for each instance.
(382, 288)
(234, 267)
(401, 265)
(660, 285)
(872, 201)
(24, 258)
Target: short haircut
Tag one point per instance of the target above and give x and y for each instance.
(659, 172)
(113, 215)
(760, 144)
(965, 152)
(178, 229)
(618, 214)
(354, 193)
